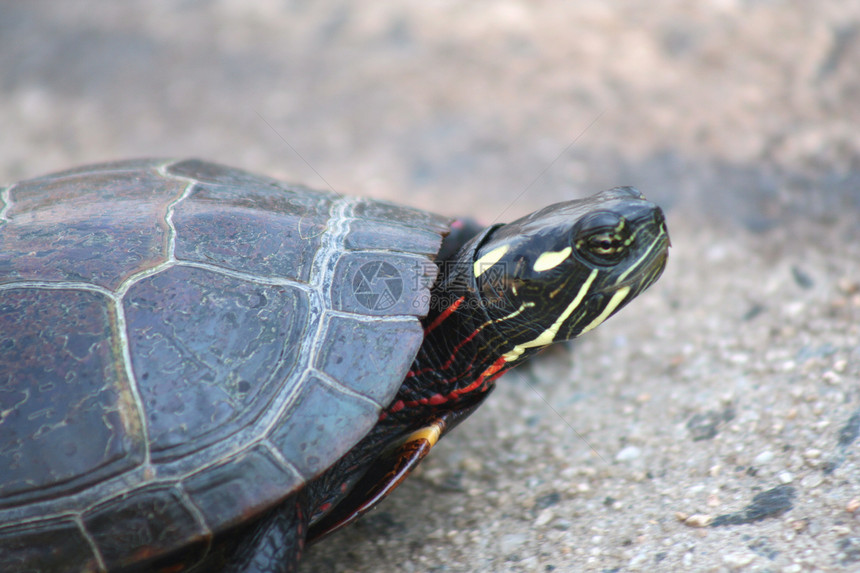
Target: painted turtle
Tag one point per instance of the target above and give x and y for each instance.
(205, 369)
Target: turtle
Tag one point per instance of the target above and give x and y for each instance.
(203, 369)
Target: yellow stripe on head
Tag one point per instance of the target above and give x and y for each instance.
(551, 259)
(645, 256)
(488, 260)
(548, 335)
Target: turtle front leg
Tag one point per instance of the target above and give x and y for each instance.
(382, 478)
(275, 543)
(389, 470)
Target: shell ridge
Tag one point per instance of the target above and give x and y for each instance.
(407, 319)
(198, 516)
(335, 384)
(279, 457)
(125, 349)
(6, 199)
(319, 300)
(59, 285)
(168, 219)
(100, 560)
(261, 279)
(122, 326)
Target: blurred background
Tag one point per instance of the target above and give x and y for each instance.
(745, 107)
(737, 373)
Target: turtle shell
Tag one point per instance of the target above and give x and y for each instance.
(183, 345)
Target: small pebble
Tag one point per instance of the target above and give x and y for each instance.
(812, 453)
(687, 560)
(698, 520)
(627, 454)
(763, 458)
(785, 477)
(588, 471)
(735, 560)
(831, 377)
(812, 481)
(853, 505)
(544, 517)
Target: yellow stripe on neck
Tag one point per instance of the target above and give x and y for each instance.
(548, 335)
(616, 299)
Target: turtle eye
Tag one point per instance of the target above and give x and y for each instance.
(605, 245)
(603, 248)
(604, 239)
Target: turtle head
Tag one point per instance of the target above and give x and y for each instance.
(561, 271)
(514, 289)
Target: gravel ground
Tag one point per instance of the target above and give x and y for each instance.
(713, 425)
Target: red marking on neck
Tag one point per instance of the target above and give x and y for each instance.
(444, 314)
(492, 372)
(457, 348)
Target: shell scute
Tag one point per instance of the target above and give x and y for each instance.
(210, 352)
(68, 419)
(95, 228)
